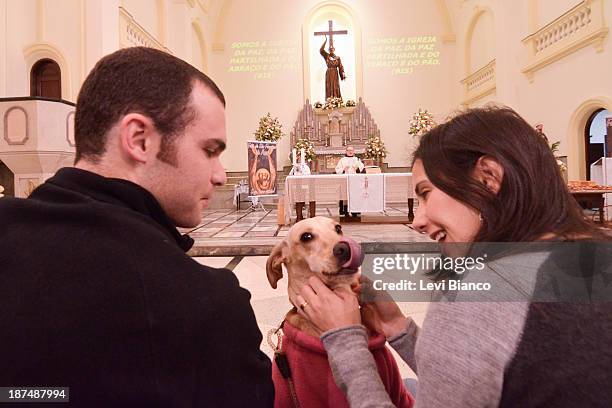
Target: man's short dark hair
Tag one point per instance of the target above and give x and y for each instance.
(137, 79)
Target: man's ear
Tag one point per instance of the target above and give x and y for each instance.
(490, 173)
(138, 137)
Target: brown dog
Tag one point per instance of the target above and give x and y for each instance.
(301, 373)
(314, 246)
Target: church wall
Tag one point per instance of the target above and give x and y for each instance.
(249, 98)
(146, 13)
(548, 10)
(200, 39)
(182, 39)
(511, 26)
(62, 29)
(20, 32)
(392, 98)
(198, 49)
(560, 88)
(177, 37)
(83, 31)
(101, 21)
(3, 46)
(482, 47)
(557, 89)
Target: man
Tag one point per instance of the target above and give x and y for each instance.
(97, 292)
(349, 164)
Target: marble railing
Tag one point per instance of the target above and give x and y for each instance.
(582, 25)
(479, 83)
(132, 34)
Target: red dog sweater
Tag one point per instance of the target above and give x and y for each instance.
(312, 376)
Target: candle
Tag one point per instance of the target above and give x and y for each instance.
(293, 157)
(302, 155)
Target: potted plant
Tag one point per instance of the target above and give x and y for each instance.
(269, 130)
(375, 150)
(421, 123)
(309, 151)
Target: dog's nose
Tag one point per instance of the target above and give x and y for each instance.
(342, 251)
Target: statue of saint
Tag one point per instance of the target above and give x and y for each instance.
(335, 72)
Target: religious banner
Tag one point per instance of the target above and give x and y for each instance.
(366, 193)
(262, 168)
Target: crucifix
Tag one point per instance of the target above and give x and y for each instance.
(335, 70)
(331, 33)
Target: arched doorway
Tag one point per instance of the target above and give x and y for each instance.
(46, 79)
(594, 138)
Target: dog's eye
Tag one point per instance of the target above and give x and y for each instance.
(339, 229)
(305, 237)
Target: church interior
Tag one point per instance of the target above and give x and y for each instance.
(314, 78)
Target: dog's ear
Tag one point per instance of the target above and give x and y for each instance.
(274, 265)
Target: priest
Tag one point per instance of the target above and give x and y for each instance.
(349, 164)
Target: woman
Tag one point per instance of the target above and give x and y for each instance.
(484, 176)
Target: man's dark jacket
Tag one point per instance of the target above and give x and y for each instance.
(97, 294)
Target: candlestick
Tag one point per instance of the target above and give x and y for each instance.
(302, 153)
(293, 157)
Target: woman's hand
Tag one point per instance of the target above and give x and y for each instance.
(380, 313)
(327, 309)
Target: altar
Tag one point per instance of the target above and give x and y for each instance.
(332, 130)
(330, 188)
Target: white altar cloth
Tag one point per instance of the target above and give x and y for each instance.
(366, 193)
(330, 188)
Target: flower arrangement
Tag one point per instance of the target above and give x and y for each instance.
(309, 150)
(332, 103)
(350, 103)
(269, 129)
(554, 148)
(375, 148)
(421, 123)
(561, 165)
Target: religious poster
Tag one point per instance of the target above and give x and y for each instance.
(262, 168)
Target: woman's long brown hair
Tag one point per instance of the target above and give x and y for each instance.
(533, 199)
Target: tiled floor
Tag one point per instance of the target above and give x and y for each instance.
(230, 232)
